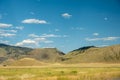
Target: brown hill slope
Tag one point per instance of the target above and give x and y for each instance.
(110, 54)
(23, 62)
(12, 55)
(46, 54)
(8, 53)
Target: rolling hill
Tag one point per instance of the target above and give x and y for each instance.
(46, 54)
(14, 54)
(92, 54)
(23, 62)
(23, 56)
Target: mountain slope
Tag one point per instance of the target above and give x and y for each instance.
(23, 62)
(94, 54)
(46, 54)
(13, 55)
(15, 52)
(10, 54)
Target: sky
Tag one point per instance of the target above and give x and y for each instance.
(62, 24)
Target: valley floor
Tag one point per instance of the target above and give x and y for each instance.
(82, 71)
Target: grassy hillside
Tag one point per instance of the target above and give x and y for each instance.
(94, 54)
(46, 54)
(12, 55)
(3, 55)
(15, 52)
(23, 62)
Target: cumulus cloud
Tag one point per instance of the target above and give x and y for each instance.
(53, 36)
(25, 42)
(34, 21)
(66, 15)
(33, 42)
(7, 33)
(102, 39)
(4, 25)
(95, 34)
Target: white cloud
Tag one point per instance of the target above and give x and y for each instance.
(26, 43)
(111, 38)
(49, 35)
(40, 39)
(33, 35)
(7, 35)
(46, 36)
(102, 39)
(33, 42)
(14, 31)
(66, 15)
(95, 34)
(20, 27)
(34, 21)
(9, 32)
(3, 25)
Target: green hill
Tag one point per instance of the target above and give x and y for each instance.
(91, 54)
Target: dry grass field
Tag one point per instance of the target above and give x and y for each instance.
(82, 71)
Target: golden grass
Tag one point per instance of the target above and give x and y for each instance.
(83, 71)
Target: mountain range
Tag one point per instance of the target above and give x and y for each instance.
(15, 55)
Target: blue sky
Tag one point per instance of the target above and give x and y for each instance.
(64, 24)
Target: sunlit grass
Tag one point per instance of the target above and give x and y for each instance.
(60, 73)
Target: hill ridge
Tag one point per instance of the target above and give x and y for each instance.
(88, 54)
